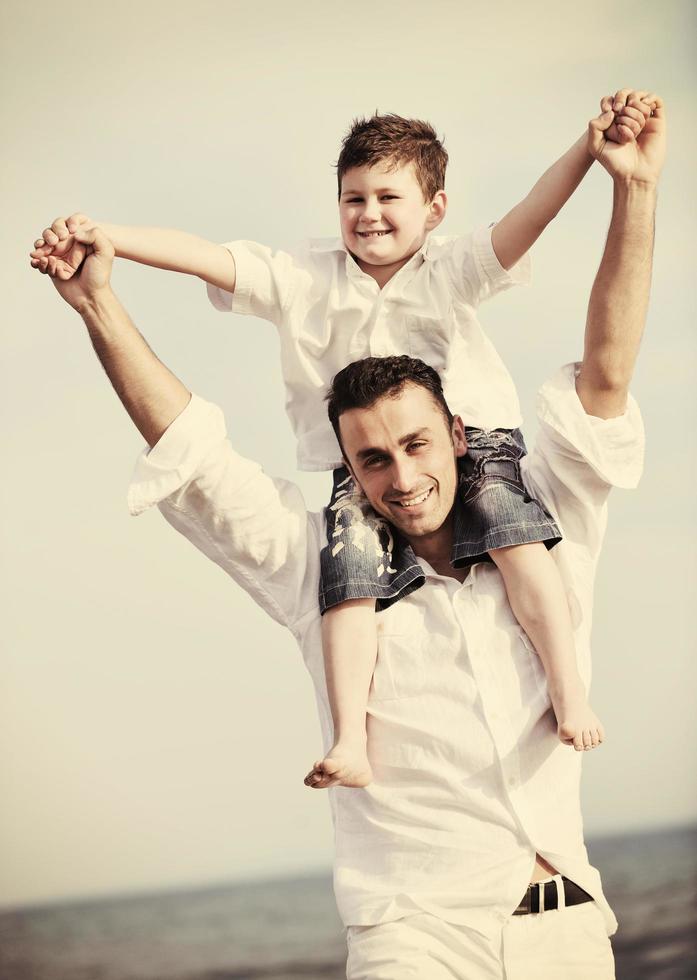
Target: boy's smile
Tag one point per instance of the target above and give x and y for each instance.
(384, 217)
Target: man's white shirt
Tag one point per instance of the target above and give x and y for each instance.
(330, 313)
(471, 780)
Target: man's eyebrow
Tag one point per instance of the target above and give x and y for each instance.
(409, 437)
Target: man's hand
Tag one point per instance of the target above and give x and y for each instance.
(79, 263)
(628, 137)
(59, 241)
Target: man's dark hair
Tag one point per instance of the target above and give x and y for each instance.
(395, 141)
(362, 383)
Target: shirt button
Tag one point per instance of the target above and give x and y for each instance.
(512, 781)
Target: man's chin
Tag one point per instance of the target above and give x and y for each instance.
(414, 527)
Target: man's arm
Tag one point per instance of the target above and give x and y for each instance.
(163, 248)
(150, 393)
(619, 299)
(257, 529)
(515, 233)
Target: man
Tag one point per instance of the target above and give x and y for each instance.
(474, 798)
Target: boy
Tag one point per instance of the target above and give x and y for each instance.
(388, 289)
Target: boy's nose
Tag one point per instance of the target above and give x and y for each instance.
(371, 211)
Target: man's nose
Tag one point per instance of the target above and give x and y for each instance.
(403, 475)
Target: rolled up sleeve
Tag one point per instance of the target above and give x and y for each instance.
(578, 458)
(254, 527)
(476, 272)
(263, 282)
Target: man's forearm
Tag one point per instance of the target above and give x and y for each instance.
(178, 251)
(618, 302)
(150, 393)
(522, 226)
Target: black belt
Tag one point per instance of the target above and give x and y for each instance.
(544, 895)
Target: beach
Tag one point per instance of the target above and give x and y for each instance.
(289, 929)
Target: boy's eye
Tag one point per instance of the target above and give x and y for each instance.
(389, 197)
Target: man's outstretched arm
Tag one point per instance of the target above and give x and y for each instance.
(150, 393)
(255, 528)
(620, 294)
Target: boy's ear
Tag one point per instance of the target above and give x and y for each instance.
(437, 209)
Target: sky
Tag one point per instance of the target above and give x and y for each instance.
(155, 725)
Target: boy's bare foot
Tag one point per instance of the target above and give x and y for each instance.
(346, 764)
(577, 723)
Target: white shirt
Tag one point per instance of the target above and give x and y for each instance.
(330, 313)
(471, 780)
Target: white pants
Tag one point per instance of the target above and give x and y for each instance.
(563, 944)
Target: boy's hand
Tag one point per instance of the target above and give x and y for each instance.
(60, 243)
(634, 158)
(82, 286)
(630, 109)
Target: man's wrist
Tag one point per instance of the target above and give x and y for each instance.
(95, 305)
(635, 185)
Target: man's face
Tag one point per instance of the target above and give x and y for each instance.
(402, 453)
(384, 217)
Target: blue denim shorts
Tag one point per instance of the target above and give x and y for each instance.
(366, 557)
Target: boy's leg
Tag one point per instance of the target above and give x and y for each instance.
(349, 641)
(538, 600)
(363, 563)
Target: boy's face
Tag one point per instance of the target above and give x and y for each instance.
(384, 217)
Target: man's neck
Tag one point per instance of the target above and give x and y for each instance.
(437, 549)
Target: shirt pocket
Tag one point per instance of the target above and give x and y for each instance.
(400, 669)
(429, 337)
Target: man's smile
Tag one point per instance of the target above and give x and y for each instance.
(413, 501)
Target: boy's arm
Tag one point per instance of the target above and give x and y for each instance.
(255, 528)
(521, 227)
(164, 248)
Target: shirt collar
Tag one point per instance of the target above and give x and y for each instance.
(327, 245)
(430, 572)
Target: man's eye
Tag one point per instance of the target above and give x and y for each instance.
(374, 461)
(416, 445)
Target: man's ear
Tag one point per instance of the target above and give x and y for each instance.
(351, 472)
(437, 209)
(458, 436)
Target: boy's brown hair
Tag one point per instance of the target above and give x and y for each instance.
(392, 139)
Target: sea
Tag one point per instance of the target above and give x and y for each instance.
(289, 929)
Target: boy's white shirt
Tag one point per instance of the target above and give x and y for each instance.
(330, 313)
